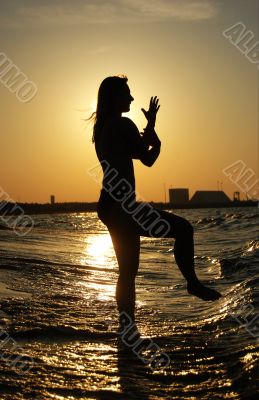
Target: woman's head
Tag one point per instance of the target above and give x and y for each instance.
(113, 99)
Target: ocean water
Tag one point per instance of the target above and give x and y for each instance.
(60, 341)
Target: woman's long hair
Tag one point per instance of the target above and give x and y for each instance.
(109, 91)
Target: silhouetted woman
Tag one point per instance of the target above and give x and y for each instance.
(117, 142)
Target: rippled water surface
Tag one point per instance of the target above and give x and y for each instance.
(65, 328)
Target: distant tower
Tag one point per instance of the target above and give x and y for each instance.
(52, 199)
(178, 196)
(236, 196)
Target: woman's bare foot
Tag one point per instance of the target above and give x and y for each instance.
(201, 291)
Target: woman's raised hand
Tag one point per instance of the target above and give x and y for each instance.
(149, 135)
(152, 111)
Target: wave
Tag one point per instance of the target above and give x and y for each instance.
(229, 218)
(240, 261)
(61, 332)
(20, 263)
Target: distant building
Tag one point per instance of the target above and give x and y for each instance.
(209, 197)
(52, 199)
(178, 196)
(236, 196)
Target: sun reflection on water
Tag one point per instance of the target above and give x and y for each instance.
(99, 253)
(99, 245)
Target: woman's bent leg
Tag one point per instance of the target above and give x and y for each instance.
(184, 248)
(182, 231)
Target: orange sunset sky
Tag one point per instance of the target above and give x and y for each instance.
(208, 90)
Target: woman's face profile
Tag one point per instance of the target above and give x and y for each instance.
(125, 99)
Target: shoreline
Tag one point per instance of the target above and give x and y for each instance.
(47, 208)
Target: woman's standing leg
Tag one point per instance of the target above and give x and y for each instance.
(127, 248)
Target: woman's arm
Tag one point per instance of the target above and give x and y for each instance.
(135, 144)
(149, 135)
(150, 139)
